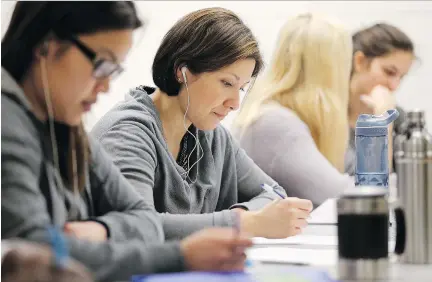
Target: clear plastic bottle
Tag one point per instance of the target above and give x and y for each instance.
(371, 139)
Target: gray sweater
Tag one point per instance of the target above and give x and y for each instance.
(281, 144)
(132, 133)
(32, 198)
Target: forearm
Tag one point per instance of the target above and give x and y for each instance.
(136, 224)
(179, 226)
(114, 261)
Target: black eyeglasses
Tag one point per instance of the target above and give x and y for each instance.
(102, 67)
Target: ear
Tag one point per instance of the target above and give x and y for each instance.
(360, 61)
(48, 48)
(179, 74)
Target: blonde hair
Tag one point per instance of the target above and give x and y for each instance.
(309, 74)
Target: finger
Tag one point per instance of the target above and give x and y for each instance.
(380, 89)
(297, 231)
(243, 240)
(239, 251)
(68, 229)
(235, 263)
(224, 254)
(301, 214)
(301, 223)
(300, 203)
(368, 101)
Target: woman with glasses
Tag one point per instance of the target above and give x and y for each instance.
(56, 59)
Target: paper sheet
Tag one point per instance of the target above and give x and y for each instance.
(326, 213)
(307, 240)
(315, 257)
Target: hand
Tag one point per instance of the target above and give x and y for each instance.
(87, 230)
(279, 219)
(215, 249)
(379, 100)
(26, 261)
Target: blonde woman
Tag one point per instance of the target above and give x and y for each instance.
(294, 122)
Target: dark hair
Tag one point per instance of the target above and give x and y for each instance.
(205, 40)
(33, 22)
(381, 39)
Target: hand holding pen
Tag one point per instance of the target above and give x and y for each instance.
(282, 218)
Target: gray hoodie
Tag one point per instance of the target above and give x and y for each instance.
(33, 197)
(226, 177)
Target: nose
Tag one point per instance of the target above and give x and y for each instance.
(103, 85)
(233, 103)
(393, 83)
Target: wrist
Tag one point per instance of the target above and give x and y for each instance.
(184, 253)
(104, 227)
(248, 223)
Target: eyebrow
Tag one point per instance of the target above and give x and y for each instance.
(233, 74)
(393, 67)
(109, 53)
(238, 78)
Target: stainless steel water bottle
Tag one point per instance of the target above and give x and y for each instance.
(413, 156)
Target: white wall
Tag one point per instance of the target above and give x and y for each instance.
(265, 19)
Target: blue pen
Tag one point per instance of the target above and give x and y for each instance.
(271, 190)
(59, 246)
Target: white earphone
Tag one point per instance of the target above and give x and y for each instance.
(197, 143)
(183, 70)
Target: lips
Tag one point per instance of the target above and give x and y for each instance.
(87, 105)
(220, 116)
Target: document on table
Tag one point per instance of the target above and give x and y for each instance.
(304, 240)
(326, 213)
(314, 257)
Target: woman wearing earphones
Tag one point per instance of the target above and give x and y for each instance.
(56, 59)
(169, 144)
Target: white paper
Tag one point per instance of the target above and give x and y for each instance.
(306, 240)
(326, 213)
(315, 257)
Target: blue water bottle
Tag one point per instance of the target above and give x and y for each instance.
(371, 140)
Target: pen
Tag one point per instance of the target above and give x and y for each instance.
(271, 190)
(59, 246)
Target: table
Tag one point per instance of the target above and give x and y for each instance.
(323, 224)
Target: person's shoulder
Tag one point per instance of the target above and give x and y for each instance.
(136, 109)
(16, 119)
(277, 118)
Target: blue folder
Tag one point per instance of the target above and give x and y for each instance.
(288, 274)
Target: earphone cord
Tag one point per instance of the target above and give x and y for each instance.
(48, 101)
(197, 142)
